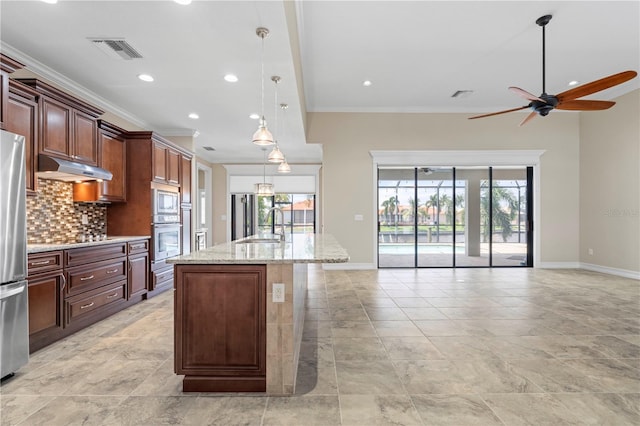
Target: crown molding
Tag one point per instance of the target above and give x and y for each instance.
(67, 84)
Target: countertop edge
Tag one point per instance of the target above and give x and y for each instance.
(42, 248)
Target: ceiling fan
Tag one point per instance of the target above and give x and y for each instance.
(567, 100)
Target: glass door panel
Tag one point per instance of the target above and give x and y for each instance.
(396, 218)
(472, 240)
(435, 217)
(509, 213)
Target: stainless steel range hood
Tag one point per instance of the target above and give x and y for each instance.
(69, 171)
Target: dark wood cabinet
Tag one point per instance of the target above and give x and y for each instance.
(22, 119)
(68, 126)
(220, 327)
(166, 164)
(46, 294)
(112, 156)
(138, 278)
(7, 66)
(185, 179)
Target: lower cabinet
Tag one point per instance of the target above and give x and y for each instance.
(220, 327)
(71, 289)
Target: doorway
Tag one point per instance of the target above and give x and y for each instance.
(434, 217)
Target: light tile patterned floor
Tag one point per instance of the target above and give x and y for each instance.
(401, 347)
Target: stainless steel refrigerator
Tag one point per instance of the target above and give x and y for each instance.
(14, 328)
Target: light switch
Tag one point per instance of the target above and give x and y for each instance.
(278, 292)
(223, 217)
(358, 217)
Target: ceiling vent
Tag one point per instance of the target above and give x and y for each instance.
(116, 48)
(208, 148)
(462, 94)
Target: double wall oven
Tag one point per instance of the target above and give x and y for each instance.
(166, 227)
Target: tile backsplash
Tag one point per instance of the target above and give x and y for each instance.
(53, 217)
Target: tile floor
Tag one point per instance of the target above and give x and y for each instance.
(400, 347)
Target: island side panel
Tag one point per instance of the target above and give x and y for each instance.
(220, 327)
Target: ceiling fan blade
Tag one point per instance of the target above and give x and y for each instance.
(596, 86)
(528, 118)
(499, 112)
(525, 94)
(585, 105)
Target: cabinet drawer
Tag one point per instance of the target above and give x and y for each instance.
(83, 278)
(44, 262)
(162, 278)
(136, 247)
(84, 255)
(77, 307)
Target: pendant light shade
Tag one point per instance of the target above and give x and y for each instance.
(262, 137)
(263, 189)
(284, 167)
(275, 156)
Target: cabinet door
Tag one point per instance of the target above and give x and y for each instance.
(55, 135)
(173, 167)
(138, 274)
(113, 157)
(185, 180)
(220, 321)
(85, 138)
(22, 119)
(45, 309)
(159, 160)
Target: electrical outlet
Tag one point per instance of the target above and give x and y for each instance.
(590, 252)
(278, 292)
(85, 219)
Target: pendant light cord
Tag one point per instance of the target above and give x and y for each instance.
(262, 75)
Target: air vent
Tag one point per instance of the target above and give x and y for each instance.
(208, 148)
(116, 48)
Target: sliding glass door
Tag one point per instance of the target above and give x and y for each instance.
(454, 217)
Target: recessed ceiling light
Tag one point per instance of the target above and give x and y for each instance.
(194, 116)
(573, 82)
(367, 83)
(254, 116)
(183, 2)
(50, 1)
(231, 78)
(145, 77)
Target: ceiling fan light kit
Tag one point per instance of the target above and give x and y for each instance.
(542, 105)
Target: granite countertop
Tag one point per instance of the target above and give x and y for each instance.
(301, 248)
(39, 248)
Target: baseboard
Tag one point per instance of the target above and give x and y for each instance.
(611, 271)
(347, 266)
(559, 265)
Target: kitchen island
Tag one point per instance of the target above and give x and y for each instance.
(231, 335)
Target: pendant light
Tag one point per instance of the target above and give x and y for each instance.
(275, 156)
(284, 166)
(264, 188)
(262, 136)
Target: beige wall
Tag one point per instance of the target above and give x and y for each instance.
(348, 186)
(610, 185)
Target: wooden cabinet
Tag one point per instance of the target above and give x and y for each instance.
(138, 280)
(7, 66)
(46, 294)
(220, 327)
(166, 164)
(112, 156)
(185, 179)
(22, 119)
(68, 126)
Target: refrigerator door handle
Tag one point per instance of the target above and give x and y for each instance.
(10, 290)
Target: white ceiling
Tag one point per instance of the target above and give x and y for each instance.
(416, 53)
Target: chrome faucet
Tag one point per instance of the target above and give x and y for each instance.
(278, 209)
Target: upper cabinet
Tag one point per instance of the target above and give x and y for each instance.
(166, 164)
(22, 118)
(68, 126)
(112, 156)
(7, 66)
(185, 179)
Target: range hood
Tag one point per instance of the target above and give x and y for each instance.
(69, 171)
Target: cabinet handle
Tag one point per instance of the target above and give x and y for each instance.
(113, 271)
(90, 277)
(64, 282)
(111, 296)
(44, 262)
(86, 306)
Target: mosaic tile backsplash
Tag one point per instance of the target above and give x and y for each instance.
(53, 217)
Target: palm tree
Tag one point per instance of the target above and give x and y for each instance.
(504, 210)
(389, 207)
